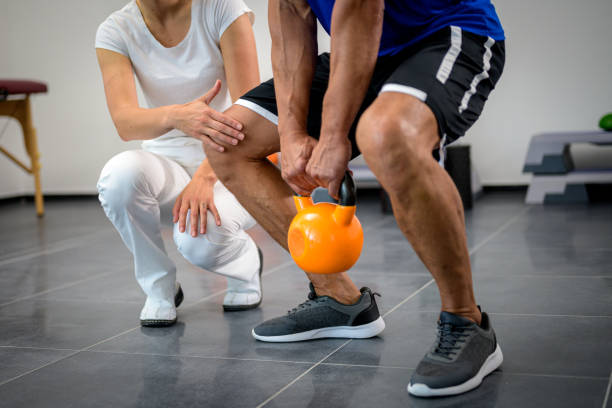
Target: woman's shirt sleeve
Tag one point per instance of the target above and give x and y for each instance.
(224, 12)
(109, 37)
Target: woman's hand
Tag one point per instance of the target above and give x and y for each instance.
(197, 119)
(197, 198)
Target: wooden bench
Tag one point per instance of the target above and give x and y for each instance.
(15, 102)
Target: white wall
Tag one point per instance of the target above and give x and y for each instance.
(557, 77)
(53, 41)
(262, 37)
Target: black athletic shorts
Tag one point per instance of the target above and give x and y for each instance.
(452, 71)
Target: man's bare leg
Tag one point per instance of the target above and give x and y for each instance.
(259, 187)
(397, 135)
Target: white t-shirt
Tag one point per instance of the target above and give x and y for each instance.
(177, 74)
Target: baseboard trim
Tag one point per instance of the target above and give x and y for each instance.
(495, 189)
(362, 191)
(26, 198)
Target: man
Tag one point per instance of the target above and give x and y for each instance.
(404, 78)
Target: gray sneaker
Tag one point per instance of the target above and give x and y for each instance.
(462, 355)
(323, 317)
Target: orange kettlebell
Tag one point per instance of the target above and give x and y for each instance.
(326, 237)
(273, 158)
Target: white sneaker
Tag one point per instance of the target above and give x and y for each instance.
(243, 295)
(161, 313)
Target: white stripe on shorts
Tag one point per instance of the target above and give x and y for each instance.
(451, 55)
(442, 151)
(417, 93)
(486, 64)
(258, 109)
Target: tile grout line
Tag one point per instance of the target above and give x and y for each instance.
(98, 301)
(53, 248)
(375, 225)
(89, 347)
(326, 357)
(277, 393)
(67, 285)
(74, 283)
(188, 307)
(532, 276)
(64, 357)
(109, 338)
(64, 286)
(413, 294)
(101, 275)
(522, 276)
(551, 315)
(277, 268)
(607, 396)
(262, 360)
(566, 376)
(205, 298)
(320, 362)
(85, 279)
(472, 251)
(36, 348)
(498, 231)
(526, 314)
(38, 368)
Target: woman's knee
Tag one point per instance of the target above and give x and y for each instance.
(121, 178)
(199, 250)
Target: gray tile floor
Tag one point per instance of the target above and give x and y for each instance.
(69, 333)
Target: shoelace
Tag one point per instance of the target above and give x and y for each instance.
(303, 305)
(312, 298)
(449, 339)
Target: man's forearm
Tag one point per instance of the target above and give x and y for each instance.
(294, 52)
(355, 38)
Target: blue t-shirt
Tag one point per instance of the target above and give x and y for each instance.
(408, 21)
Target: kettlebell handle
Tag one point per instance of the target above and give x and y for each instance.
(347, 193)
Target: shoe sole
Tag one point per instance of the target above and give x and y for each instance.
(157, 323)
(363, 331)
(491, 363)
(178, 299)
(240, 308)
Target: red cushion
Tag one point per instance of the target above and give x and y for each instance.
(21, 86)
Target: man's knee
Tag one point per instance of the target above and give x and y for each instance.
(261, 139)
(392, 139)
(121, 179)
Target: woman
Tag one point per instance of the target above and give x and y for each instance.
(192, 58)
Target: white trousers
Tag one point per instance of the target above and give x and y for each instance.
(134, 185)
